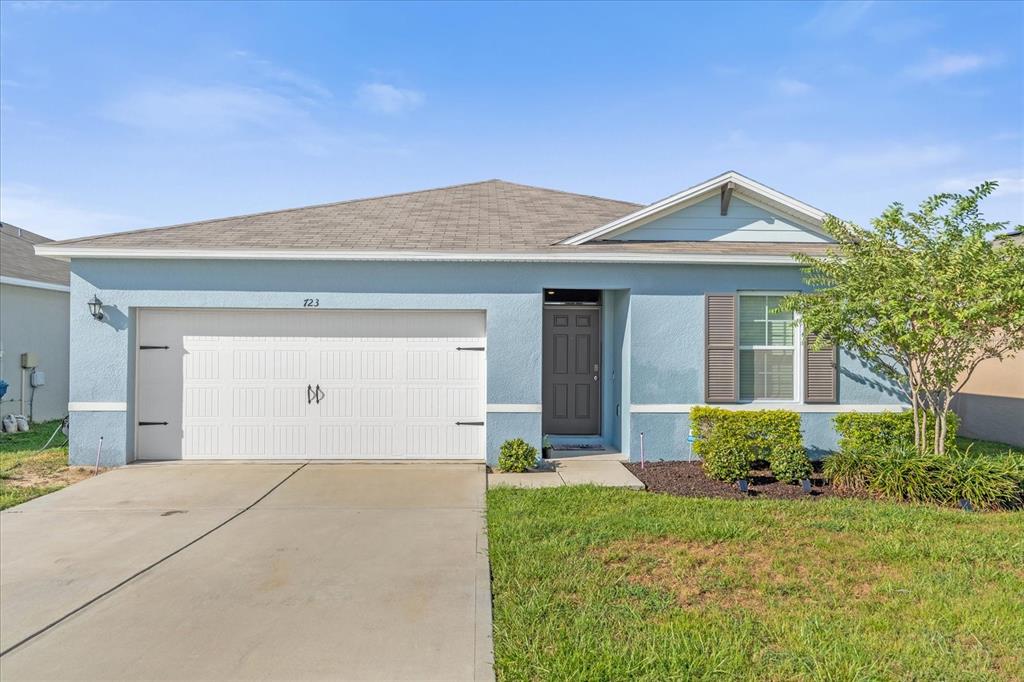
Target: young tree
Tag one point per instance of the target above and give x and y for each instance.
(923, 299)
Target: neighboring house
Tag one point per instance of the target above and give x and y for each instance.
(991, 404)
(34, 295)
(437, 324)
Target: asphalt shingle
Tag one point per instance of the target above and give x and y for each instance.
(489, 216)
(19, 260)
(482, 216)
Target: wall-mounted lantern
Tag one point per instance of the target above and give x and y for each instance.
(96, 307)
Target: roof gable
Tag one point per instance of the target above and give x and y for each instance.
(703, 221)
(799, 221)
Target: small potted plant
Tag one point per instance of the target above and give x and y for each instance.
(546, 447)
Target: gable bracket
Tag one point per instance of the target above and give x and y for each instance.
(727, 189)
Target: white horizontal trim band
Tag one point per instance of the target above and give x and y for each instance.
(749, 407)
(33, 284)
(514, 407)
(68, 252)
(97, 407)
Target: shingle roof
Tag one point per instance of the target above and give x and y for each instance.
(493, 215)
(490, 217)
(18, 258)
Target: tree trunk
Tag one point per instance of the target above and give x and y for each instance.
(924, 429)
(944, 423)
(918, 441)
(940, 436)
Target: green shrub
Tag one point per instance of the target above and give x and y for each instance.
(790, 463)
(730, 441)
(905, 474)
(881, 432)
(985, 481)
(848, 471)
(516, 455)
(728, 463)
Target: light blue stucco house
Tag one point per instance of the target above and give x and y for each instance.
(438, 324)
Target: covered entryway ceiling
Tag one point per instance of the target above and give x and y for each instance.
(318, 384)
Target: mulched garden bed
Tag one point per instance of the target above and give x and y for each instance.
(687, 479)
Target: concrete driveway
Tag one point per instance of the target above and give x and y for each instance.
(250, 571)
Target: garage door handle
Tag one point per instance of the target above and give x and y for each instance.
(309, 394)
(152, 423)
(320, 395)
(469, 423)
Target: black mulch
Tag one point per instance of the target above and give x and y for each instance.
(687, 479)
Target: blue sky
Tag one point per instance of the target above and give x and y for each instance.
(119, 115)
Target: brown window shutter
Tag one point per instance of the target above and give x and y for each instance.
(720, 358)
(821, 384)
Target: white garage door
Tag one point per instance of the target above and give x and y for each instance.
(236, 384)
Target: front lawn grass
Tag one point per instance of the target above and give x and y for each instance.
(604, 584)
(26, 472)
(988, 448)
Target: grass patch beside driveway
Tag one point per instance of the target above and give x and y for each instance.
(26, 472)
(603, 584)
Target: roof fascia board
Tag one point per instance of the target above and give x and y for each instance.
(67, 253)
(33, 284)
(809, 214)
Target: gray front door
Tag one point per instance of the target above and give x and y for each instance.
(572, 370)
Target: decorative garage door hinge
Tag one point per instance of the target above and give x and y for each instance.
(469, 423)
(154, 347)
(469, 348)
(312, 394)
(152, 423)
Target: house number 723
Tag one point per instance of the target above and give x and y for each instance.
(311, 303)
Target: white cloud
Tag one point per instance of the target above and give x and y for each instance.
(946, 65)
(204, 109)
(1011, 182)
(792, 86)
(29, 207)
(387, 99)
(271, 71)
(1006, 136)
(289, 115)
(898, 157)
(838, 17)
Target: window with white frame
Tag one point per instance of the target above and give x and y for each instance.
(768, 349)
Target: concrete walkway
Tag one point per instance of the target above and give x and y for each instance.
(604, 470)
(250, 571)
